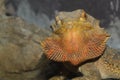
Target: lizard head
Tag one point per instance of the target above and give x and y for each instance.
(75, 41)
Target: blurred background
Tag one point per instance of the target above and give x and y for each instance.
(42, 13)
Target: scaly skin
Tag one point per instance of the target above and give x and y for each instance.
(106, 66)
(75, 41)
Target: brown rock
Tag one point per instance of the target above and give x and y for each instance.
(21, 56)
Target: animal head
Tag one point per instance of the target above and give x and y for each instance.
(75, 41)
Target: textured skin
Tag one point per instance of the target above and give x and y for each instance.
(107, 66)
(75, 41)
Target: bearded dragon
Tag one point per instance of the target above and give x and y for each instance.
(77, 38)
(75, 41)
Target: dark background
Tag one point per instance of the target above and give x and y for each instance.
(42, 12)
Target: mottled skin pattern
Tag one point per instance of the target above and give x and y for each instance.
(107, 66)
(75, 41)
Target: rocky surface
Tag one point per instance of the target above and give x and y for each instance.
(107, 66)
(20, 49)
(21, 56)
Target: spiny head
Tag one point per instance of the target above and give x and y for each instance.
(75, 41)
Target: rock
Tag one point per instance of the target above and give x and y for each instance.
(20, 49)
(21, 55)
(105, 67)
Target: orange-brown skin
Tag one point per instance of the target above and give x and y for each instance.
(75, 41)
